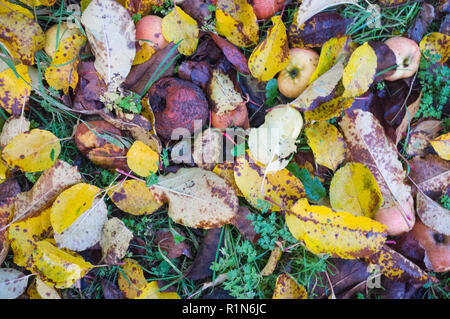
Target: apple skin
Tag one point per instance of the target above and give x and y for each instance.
(149, 28)
(265, 9)
(393, 218)
(293, 80)
(407, 55)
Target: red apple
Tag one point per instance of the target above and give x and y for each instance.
(393, 218)
(149, 28)
(407, 56)
(265, 9)
(293, 80)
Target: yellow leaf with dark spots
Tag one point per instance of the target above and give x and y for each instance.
(143, 54)
(226, 171)
(436, 43)
(131, 278)
(15, 89)
(152, 291)
(287, 288)
(272, 54)
(32, 151)
(340, 234)
(142, 160)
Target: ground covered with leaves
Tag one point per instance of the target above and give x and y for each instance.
(224, 149)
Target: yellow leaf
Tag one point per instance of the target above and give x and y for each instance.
(441, 145)
(152, 291)
(32, 151)
(133, 197)
(272, 54)
(436, 43)
(115, 240)
(131, 278)
(341, 234)
(326, 143)
(360, 71)
(6, 6)
(142, 7)
(144, 53)
(226, 171)
(70, 204)
(62, 73)
(21, 35)
(236, 21)
(271, 264)
(354, 189)
(281, 187)
(14, 90)
(287, 288)
(328, 110)
(36, 3)
(179, 26)
(142, 160)
(3, 172)
(329, 53)
(24, 235)
(45, 291)
(57, 268)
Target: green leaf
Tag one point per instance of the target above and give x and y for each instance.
(313, 187)
(271, 92)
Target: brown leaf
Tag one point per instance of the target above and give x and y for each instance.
(422, 22)
(206, 255)
(232, 54)
(385, 60)
(419, 136)
(110, 290)
(198, 73)
(197, 9)
(244, 225)
(6, 210)
(271, 264)
(165, 239)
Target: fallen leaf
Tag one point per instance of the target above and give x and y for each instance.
(111, 34)
(226, 171)
(57, 268)
(14, 89)
(32, 151)
(386, 60)
(340, 234)
(179, 27)
(394, 266)
(198, 198)
(21, 35)
(422, 22)
(131, 278)
(45, 291)
(143, 54)
(436, 43)
(165, 239)
(245, 225)
(271, 263)
(142, 160)
(355, 190)
(152, 291)
(309, 8)
(367, 144)
(329, 109)
(232, 54)
(287, 288)
(236, 21)
(13, 126)
(327, 144)
(142, 7)
(281, 187)
(409, 115)
(359, 73)
(110, 290)
(6, 6)
(62, 72)
(115, 240)
(420, 135)
(134, 197)
(6, 209)
(441, 145)
(13, 283)
(272, 54)
(49, 185)
(86, 230)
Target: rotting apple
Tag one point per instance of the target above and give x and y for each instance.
(265, 9)
(394, 220)
(407, 57)
(293, 80)
(149, 29)
(63, 32)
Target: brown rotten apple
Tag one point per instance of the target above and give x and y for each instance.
(407, 57)
(293, 80)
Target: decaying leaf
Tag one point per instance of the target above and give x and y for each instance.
(142, 160)
(21, 35)
(406, 121)
(232, 54)
(326, 143)
(271, 264)
(226, 171)
(131, 278)
(359, 73)
(236, 21)
(115, 240)
(340, 234)
(57, 268)
(441, 145)
(354, 189)
(222, 93)
(328, 110)
(420, 135)
(198, 198)
(62, 72)
(24, 235)
(287, 288)
(45, 291)
(165, 239)
(32, 151)
(368, 144)
(6, 210)
(133, 197)
(309, 8)
(436, 43)
(86, 230)
(15, 89)
(281, 187)
(49, 185)
(152, 291)
(12, 283)
(144, 53)
(272, 54)
(111, 34)
(394, 266)
(178, 26)
(142, 7)
(13, 126)
(245, 225)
